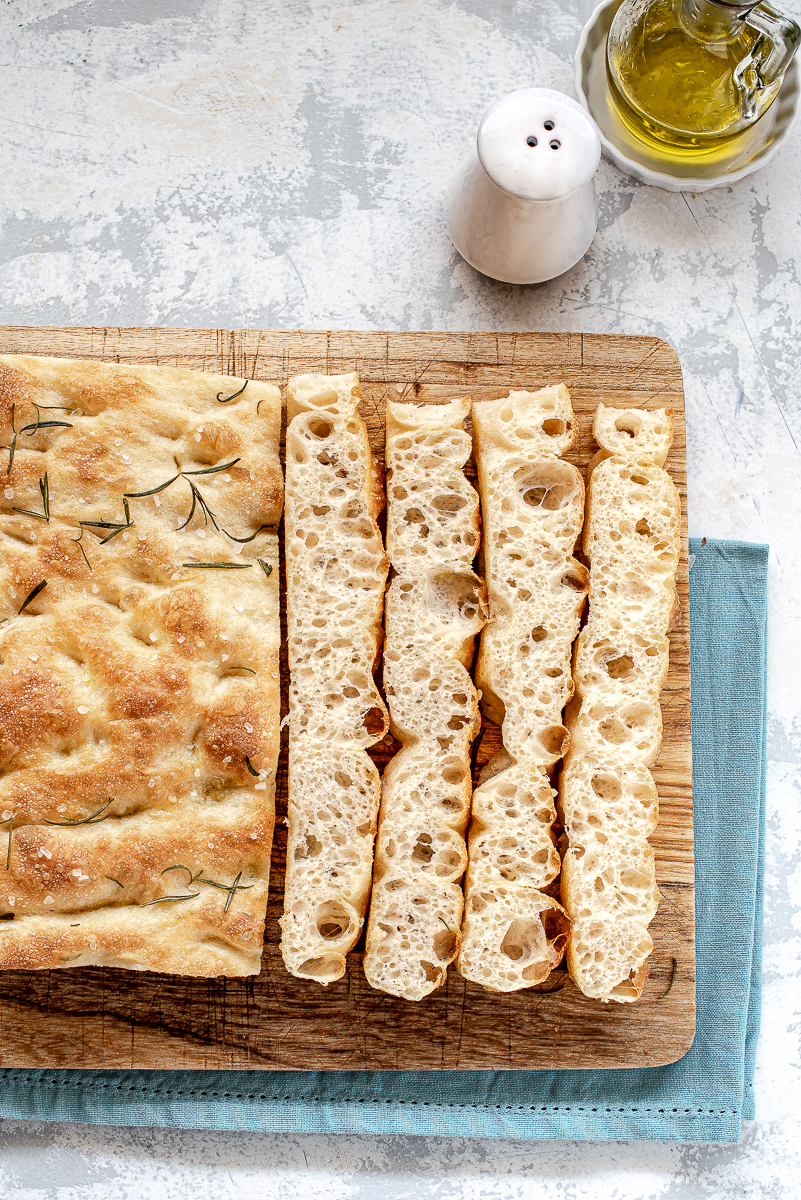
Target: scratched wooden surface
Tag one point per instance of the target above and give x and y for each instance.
(93, 1018)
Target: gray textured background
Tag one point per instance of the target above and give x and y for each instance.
(174, 162)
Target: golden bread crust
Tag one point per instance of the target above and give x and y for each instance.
(139, 692)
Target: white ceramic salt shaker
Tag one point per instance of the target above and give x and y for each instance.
(523, 209)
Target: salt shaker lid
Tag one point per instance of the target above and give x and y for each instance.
(538, 144)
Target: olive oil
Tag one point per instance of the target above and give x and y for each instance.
(685, 73)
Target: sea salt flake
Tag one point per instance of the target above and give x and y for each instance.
(248, 726)
(95, 588)
(154, 637)
(77, 872)
(7, 815)
(225, 657)
(9, 493)
(33, 657)
(239, 608)
(197, 772)
(49, 900)
(260, 787)
(83, 710)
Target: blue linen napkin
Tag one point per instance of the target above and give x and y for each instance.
(701, 1098)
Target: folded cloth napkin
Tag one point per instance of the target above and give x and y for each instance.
(701, 1098)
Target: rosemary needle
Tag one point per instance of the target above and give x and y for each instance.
(445, 923)
(220, 566)
(265, 566)
(250, 767)
(224, 400)
(93, 818)
(32, 595)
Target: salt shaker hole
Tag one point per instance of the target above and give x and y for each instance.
(555, 144)
(531, 141)
(548, 125)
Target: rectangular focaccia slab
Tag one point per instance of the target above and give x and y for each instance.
(139, 637)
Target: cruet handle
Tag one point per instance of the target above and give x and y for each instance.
(780, 38)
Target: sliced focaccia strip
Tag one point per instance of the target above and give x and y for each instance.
(510, 833)
(433, 510)
(336, 571)
(513, 937)
(431, 623)
(601, 794)
(413, 934)
(332, 821)
(139, 698)
(609, 959)
(336, 565)
(442, 795)
(615, 664)
(632, 540)
(533, 508)
(608, 876)
(634, 433)
(435, 608)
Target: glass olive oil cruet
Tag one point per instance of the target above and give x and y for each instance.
(692, 74)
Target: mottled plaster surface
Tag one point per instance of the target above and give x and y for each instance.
(229, 163)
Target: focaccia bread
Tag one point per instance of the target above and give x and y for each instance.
(139, 636)
(533, 508)
(336, 571)
(435, 608)
(608, 799)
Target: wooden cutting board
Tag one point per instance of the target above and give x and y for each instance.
(109, 1018)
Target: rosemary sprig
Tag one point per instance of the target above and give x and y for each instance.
(250, 767)
(115, 526)
(79, 544)
(44, 489)
(32, 595)
(197, 498)
(153, 491)
(40, 424)
(236, 886)
(10, 832)
(244, 540)
(213, 470)
(179, 867)
(165, 899)
(13, 447)
(220, 566)
(113, 880)
(204, 508)
(233, 396)
(231, 889)
(93, 818)
(265, 566)
(672, 977)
